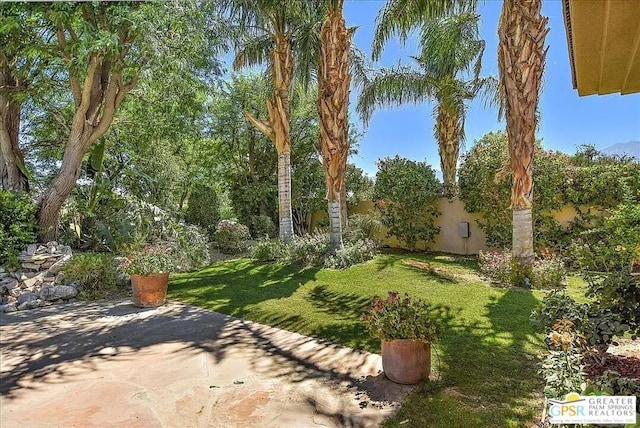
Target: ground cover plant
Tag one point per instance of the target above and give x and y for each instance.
(489, 368)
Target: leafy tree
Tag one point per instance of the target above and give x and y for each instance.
(406, 194)
(521, 56)
(203, 208)
(449, 72)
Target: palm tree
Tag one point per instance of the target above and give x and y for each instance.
(450, 51)
(521, 58)
(271, 30)
(333, 104)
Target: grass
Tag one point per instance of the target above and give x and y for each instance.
(488, 351)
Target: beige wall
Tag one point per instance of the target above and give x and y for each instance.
(448, 240)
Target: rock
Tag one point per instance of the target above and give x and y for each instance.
(3, 275)
(9, 283)
(34, 281)
(31, 249)
(57, 266)
(29, 275)
(31, 304)
(2, 270)
(10, 299)
(56, 292)
(11, 307)
(41, 249)
(26, 297)
(47, 264)
(31, 266)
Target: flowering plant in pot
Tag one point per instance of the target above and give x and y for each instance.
(149, 270)
(407, 328)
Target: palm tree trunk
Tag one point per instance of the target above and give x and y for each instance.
(12, 169)
(521, 57)
(278, 127)
(333, 104)
(284, 197)
(449, 135)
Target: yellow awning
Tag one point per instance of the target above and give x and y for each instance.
(604, 45)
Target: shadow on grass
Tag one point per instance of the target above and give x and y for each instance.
(232, 286)
(489, 372)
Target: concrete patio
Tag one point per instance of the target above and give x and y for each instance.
(112, 364)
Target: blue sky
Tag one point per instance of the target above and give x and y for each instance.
(566, 119)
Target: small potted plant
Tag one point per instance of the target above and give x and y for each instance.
(407, 328)
(149, 270)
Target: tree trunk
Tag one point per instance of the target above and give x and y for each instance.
(449, 134)
(344, 208)
(278, 127)
(521, 57)
(284, 197)
(333, 105)
(13, 175)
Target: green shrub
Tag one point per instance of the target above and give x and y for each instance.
(190, 248)
(407, 194)
(562, 367)
(268, 250)
(363, 226)
(261, 226)
(95, 275)
(232, 237)
(351, 253)
(17, 226)
(611, 383)
(499, 266)
(203, 208)
(310, 249)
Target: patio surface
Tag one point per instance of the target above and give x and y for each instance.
(107, 364)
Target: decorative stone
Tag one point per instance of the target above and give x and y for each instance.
(47, 264)
(56, 292)
(31, 304)
(2, 270)
(26, 297)
(3, 275)
(31, 249)
(32, 282)
(30, 266)
(57, 266)
(11, 299)
(9, 283)
(11, 307)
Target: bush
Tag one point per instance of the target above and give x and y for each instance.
(407, 194)
(203, 208)
(232, 237)
(261, 226)
(17, 226)
(310, 249)
(611, 383)
(562, 367)
(191, 248)
(499, 266)
(351, 254)
(363, 226)
(268, 250)
(95, 275)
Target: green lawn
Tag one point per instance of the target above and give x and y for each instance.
(488, 351)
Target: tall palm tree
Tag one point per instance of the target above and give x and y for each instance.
(271, 30)
(333, 104)
(521, 59)
(448, 72)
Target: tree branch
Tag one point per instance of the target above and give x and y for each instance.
(260, 125)
(73, 78)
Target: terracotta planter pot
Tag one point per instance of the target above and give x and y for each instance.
(149, 291)
(406, 361)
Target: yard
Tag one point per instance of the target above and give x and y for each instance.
(487, 357)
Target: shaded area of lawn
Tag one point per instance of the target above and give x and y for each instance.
(487, 354)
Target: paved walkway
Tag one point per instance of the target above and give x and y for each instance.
(112, 364)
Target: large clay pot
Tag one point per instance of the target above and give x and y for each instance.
(406, 361)
(149, 291)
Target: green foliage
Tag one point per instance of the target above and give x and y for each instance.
(310, 249)
(190, 247)
(268, 250)
(150, 261)
(488, 193)
(351, 253)
(363, 226)
(203, 208)
(611, 383)
(406, 194)
(231, 237)
(95, 275)
(399, 317)
(17, 226)
(262, 226)
(562, 367)
(545, 272)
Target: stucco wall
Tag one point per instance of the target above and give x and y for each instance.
(448, 240)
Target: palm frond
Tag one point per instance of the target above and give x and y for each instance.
(255, 51)
(401, 17)
(394, 87)
(359, 67)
